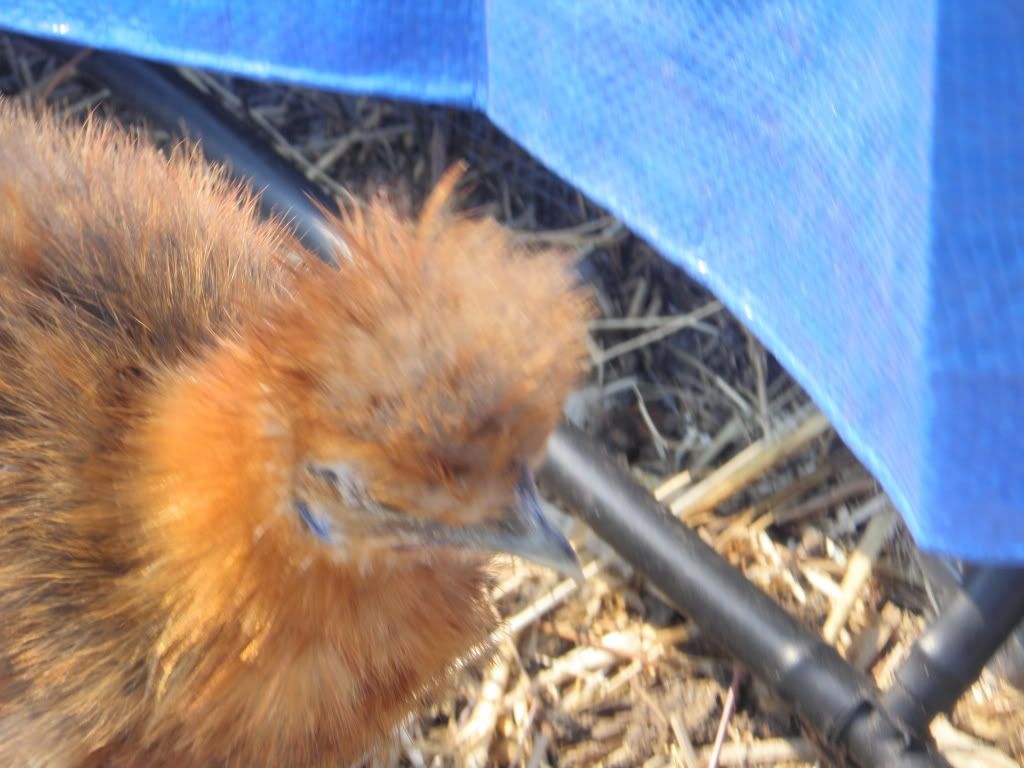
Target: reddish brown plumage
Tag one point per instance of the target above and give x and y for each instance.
(168, 364)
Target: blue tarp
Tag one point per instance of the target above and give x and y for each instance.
(847, 177)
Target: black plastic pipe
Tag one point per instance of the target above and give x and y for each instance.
(950, 655)
(838, 703)
(947, 578)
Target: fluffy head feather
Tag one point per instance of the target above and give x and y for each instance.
(238, 487)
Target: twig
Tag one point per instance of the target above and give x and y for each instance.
(545, 604)
(209, 84)
(540, 748)
(965, 751)
(657, 334)
(640, 293)
(641, 323)
(477, 732)
(757, 358)
(728, 390)
(601, 230)
(672, 486)
(765, 752)
(318, 169)
(732, 430)
(858, 571)
(660, 443)
(45, 87)
(412, 752)
(864, 512)
(83, 104)
(727, 710)
(822, 582)
(830, 498)
(868, 643)
(589, 695)
(689, 755)
(749, 464)
(577, 663)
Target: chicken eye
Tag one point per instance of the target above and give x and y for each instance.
(345, 481)
(326, 474)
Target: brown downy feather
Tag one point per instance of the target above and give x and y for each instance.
(165, 369)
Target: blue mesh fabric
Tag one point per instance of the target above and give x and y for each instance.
(847, 177)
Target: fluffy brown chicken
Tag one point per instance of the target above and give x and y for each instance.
(248, 500)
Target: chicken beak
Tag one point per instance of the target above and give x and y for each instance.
(526, 532)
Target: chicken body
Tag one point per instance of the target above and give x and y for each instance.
(235, 483)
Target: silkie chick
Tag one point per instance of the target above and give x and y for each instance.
(248, 500)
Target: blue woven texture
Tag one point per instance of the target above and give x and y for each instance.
(847, 177)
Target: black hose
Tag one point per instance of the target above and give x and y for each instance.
(838, 702)
(947, 578)
(950, 655)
